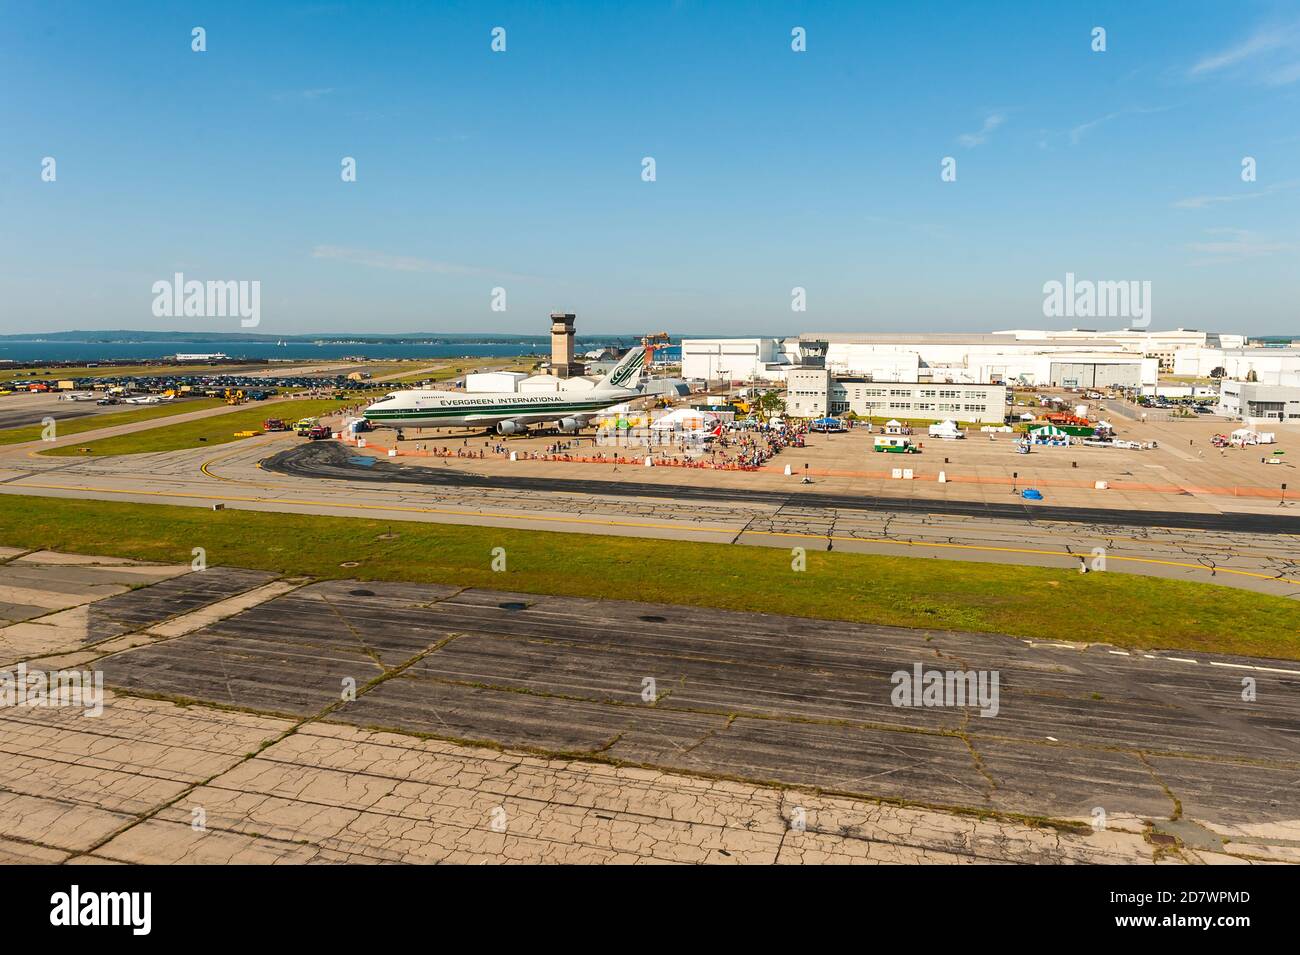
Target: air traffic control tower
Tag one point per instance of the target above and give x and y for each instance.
(562, 363)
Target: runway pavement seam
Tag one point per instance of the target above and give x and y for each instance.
(1164, 786)
(644, 525)
(298, 722)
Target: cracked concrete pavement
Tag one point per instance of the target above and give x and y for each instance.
(493, 727)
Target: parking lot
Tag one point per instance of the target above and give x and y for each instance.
(23, 409)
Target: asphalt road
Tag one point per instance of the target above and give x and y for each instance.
(28, 414)
(330, 460)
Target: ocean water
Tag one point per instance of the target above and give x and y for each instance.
(29, 351)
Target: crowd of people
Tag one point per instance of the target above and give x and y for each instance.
(740, 446)
(752, 446)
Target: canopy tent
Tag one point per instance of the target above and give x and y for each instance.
(1049, 435)
(685, 419)
(827, 425)
(1249, 436)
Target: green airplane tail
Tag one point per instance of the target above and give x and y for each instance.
(627, 372)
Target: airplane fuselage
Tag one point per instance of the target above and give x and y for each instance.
(506, 411)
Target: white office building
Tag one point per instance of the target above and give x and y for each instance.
(816, 392)
(1253, 401)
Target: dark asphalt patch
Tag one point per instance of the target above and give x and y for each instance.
(147, 606)
(756, 696)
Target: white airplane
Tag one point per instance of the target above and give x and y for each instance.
(511, 412)
(78, 396)
(146, 400)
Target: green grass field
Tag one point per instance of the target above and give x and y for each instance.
(55, 374)
(1125, 610)
(218, 429)
(93, 422)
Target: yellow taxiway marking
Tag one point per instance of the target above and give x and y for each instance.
(230, 454)
(647, 526)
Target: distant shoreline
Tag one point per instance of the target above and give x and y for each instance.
(140, 337)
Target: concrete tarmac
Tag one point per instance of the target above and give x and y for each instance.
(1165, 746)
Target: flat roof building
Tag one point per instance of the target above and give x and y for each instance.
(1253, 401)
(733, 359)
(816, 392)
(1077, 357)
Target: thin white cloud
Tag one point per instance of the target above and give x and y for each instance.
(1201, 202)
(1235, 245)
(1078, 132)
(405, 263)
(1267, 56)
(991, 123)
(1261, 42)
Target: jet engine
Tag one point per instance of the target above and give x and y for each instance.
(510, 427)
(572, 424)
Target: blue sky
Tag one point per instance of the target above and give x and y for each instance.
(774, 169)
